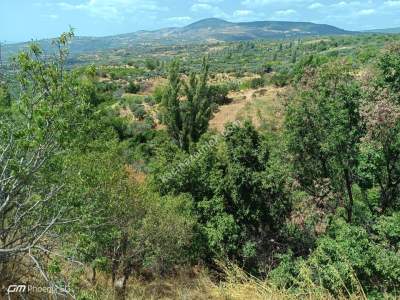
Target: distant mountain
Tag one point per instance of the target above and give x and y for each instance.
(207, 30)
(386, 30)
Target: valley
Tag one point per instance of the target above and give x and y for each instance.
(216, 160)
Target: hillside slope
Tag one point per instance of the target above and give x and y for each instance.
(206, 30)
(385, 30)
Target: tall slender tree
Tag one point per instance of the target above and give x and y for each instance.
(187, 110)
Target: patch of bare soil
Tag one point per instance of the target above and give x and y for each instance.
(227, 113)
(243, 101)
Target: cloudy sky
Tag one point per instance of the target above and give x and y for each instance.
(22, 20)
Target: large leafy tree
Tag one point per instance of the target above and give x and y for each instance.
(42, 121)
(389, 64)
(324, 129)
(381, 147)
(238, 191)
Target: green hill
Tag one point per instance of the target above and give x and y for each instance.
(207, 30)
(385, 30)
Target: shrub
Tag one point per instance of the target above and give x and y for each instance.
(280, 79)
(133, 88)
(150, 100)
(158, 93)
(219, 94)
(346, 260)
(253, 83)
(138, 111)
(151, 64)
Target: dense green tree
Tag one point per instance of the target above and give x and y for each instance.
(324, 129)
(390, 66)
(379, 160)
(239, 192)
(187, 119)
(381, 146)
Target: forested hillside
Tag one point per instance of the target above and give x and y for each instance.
(207, 30)
(265, 169)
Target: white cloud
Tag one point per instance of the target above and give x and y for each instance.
(201, 7)
(344, 4)
(315, 5)
(285, 13)
(392, 3)
(208, 9)
(257, 3)
(113, 9)
(366, 12)
(242, 13)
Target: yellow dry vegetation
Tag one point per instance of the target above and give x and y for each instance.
(262, 107)
(198, 284)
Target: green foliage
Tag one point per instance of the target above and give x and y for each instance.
(254, 83)
(151, 64)
(152, 234)
(379, 162)
(307, 64)
(280, 79)
(158, 93)
(5, 97)
(390, 65)
(45, 121)
(138, 111)
(238, 191)
(264, 200)
(346, 261)
(324, 130)
(187, 120)
(133, 88)
(218, 94)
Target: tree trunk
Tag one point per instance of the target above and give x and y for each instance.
(93, 275)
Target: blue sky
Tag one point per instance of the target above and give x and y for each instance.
(22, 20)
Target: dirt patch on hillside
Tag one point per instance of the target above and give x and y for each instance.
(227, 113)
(266, 109)
(250, 105)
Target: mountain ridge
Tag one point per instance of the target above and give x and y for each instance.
(205, 30)
(384, 30)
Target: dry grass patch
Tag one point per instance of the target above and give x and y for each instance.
(266, 108)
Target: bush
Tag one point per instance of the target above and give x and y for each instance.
(219, 94)
(280, 79)
(138, 111)
(346, 260)
(158, 93)
(150, 100)
(165, 234)
(133, 88)
(254, 83)
(151, 64)
(120, 125)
